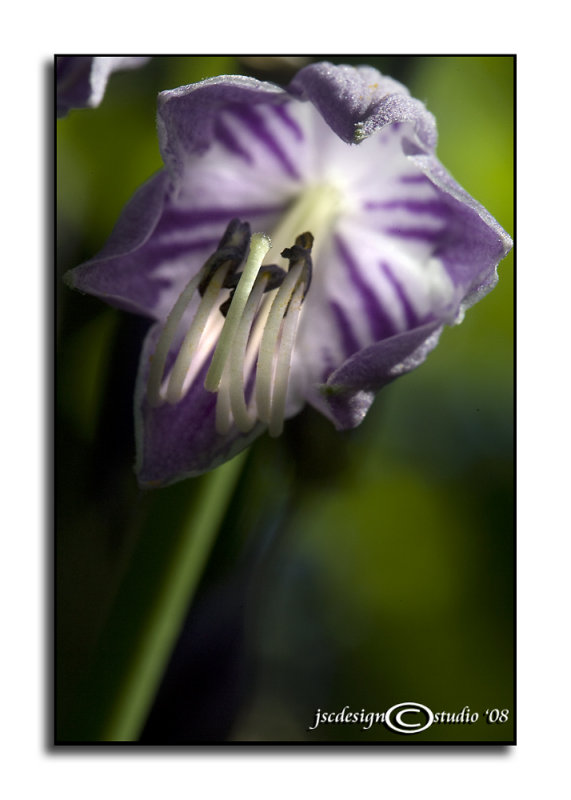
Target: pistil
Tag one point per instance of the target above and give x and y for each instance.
(315, 209)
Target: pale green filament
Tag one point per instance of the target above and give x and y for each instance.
(167, 335)
(258, 329)
(314, 210)
(287, 341)
(259, 246)
(223, 411)
(244, 418)
(175, 389)
(268, 345)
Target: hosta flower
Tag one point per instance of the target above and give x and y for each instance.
(374, 247)
(81, 80)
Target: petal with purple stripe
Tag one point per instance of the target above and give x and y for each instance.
(433, 207)
(379, 323)
(414, 178)
(349, 341)
(175, 441)
(421, 234)
(256, 123)
(410, 315)
(282, 111)
(224, 134)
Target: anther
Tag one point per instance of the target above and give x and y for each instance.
(301, 252)
(273, 273)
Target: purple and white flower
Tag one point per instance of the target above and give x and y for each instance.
(374, 247)
(81, 80)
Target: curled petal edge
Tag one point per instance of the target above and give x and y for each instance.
(356, 102)
(350, 390)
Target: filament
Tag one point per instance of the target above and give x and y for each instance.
(243, 417)
(268, 345)
(168, 333)
(246, 323)
(259, 246)
(279, 394)
(192, 338)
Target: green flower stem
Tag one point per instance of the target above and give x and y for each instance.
(150, 609)
(174, 593)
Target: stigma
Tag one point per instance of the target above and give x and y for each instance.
(245, 322)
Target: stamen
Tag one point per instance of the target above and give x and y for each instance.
(193, 336)
(268, 345)
(276, 422)
(223, 411)
(159, 357)
(259, 327)
(228, 256)
(301, 252)
(241, 358)
(259, 246)
(315, 209)
(207, 344)
(300, 271)
(243, 417)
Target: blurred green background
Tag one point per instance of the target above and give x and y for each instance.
(361, 569)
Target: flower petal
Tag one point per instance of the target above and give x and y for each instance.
(187, 116)
(121, 273)
(179, 441)
(477, 243)
(358, 101)
(82, 80)
(350, 390)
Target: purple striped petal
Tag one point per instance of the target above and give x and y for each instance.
(410, 314)
(342, 322)
(187, 117)
(179, 441)
(255, 121)
(381, 326)
(225, 135)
